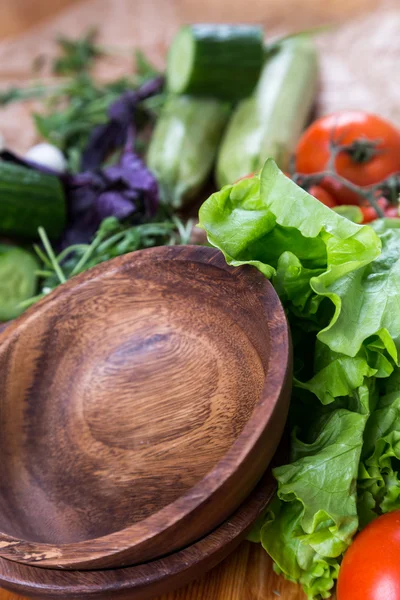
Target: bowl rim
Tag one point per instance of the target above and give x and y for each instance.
(156, 576)
(86, 554)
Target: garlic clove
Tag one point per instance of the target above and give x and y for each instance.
(49, 156)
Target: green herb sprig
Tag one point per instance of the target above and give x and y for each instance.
(77, 56)
(112, 239)
(75, 103)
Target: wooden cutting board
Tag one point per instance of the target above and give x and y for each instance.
(246, 575)
(359, 60)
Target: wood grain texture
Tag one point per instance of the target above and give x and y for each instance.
(348, 57)
(245, 575)
(143, 581)
(18, 15)
(141, 403)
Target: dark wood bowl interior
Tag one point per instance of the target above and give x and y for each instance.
(139, 405)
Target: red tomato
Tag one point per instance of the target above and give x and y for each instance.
(343, 128)
(392, 212)
(322, 195)
(245, 177)
(371, 566)
(370, 214)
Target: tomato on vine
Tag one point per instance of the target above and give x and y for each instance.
(370, 214)
(248, 176)
(323, 196)
(369, 151)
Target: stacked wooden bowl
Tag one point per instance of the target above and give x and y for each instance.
(140, 406)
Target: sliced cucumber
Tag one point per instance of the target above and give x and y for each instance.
(181, 58)
(220, 61)
(18, 280)
(269, 124)
(184, 145)
(28, 200)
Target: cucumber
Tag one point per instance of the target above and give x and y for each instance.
(269, 124)
(30, 199)
(18, 280)
(184, 145)
(220, 61)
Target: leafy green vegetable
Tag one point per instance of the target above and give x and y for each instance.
(76, 104)
(111, 240)
(339, 282)
(378, 481)
(318, 488)
(144, 68)
(76, 110)
(353, 213)
(77, 55)
(16, 94)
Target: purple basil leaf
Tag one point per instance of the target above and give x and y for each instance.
(107, 138)
(151, 87)
(127, 189)
(81, 231)
(136, 174)
(132, 195)
(113, 204)
(103, 141)
(121, 110)
(81, 195)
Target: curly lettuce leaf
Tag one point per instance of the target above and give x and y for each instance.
(323, 478)
(338, 282)
(316, 510)
(298, 563)
(339, 378)
(367, 303)
(379, 472)
(257, 220)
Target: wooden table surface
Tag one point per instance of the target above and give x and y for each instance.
(247, 574)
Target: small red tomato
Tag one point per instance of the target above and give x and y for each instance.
(371, 567)
(370, 214)
(392, 212)
(245, 177)
(322, 195)
(374, 153)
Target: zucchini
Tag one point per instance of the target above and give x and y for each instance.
(18, 280)
(184, 145)
(220, 61)
(269, 124)
(30, 199)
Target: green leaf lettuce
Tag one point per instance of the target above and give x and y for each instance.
(340, 285)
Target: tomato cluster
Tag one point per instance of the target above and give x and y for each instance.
(371, 153)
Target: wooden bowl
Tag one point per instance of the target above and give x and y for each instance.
(143, 582)
(140, 403)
